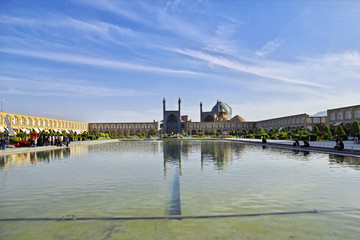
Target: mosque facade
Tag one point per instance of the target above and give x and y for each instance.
(218, 119)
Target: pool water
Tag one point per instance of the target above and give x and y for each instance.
(179, 178)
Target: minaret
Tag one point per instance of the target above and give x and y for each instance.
(218, 106)
(179, 121)
(164, 109)
(200, 111)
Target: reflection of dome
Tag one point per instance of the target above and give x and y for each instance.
(222, 107)
(237, 118)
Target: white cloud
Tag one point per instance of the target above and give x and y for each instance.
(259, 70)
(100, 62)
(64, 87)
(269, 47)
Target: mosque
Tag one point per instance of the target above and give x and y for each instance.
(219, 119)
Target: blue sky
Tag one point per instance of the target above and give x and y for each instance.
(105, 61)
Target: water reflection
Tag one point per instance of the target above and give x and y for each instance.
(344, 161)
(22, 159)
(218, 153)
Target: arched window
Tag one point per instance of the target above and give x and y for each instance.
(357, 113)
(137, 126)
(22, 121)
(339, 115)
(50, 123)
(150, 126)
(15, 120)
(144, 126)
(34, 122)
(93, 127)
(106, 126)
(125, 126)
(118, 126)
(348, 115)
(40, 122)
(100, 127)
(112, 126)
(131, 126)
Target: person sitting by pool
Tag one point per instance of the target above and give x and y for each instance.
(306, 144)
(340, 145)
(263, 139)
(296, 143)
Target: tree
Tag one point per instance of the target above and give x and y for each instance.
(152, 132)
(261, 130)
(315, 130)
(355, 128)
(183, 133)
(340, 131)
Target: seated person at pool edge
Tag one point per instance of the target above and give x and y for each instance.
(306, 144)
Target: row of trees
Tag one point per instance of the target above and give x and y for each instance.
(316, 134)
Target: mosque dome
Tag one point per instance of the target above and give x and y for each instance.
(222, 107)
(237, 118)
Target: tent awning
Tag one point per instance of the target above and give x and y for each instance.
(336, 124)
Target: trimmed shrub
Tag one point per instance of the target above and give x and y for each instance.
(340, 132)
(327, 131)
(355, 128)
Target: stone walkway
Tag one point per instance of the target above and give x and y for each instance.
(17, 150)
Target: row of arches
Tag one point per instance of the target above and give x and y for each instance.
(23, 121)
(120, 126)
(121, 132)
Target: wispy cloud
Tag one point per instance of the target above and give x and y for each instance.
(269, 47)
(121, 8)
(64, 88)
(77, 59)
(258, 70)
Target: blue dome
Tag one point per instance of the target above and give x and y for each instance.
(222, 107)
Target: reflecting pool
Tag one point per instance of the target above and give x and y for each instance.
(77, 193)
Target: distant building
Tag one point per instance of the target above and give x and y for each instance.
(344, 116)
(26, 123)
(219, 120)
(124, 128)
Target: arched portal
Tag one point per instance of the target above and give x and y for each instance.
(209, 118)
(172, 124)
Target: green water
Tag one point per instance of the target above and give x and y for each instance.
(136, 179)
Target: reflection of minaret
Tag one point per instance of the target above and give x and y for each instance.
(172, 154)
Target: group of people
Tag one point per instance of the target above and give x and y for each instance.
(297, 144)
(48, 140)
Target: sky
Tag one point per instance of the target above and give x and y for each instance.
(115, 61)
